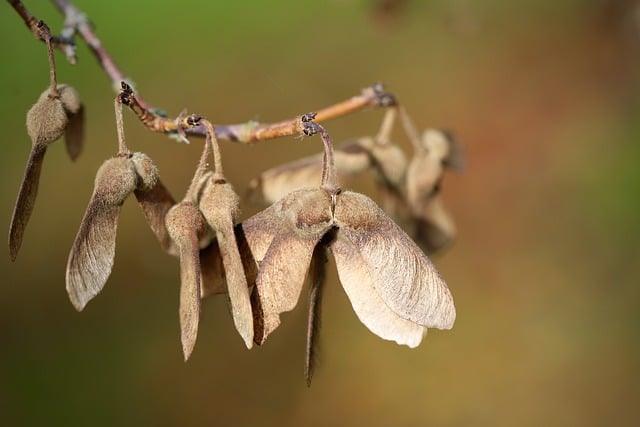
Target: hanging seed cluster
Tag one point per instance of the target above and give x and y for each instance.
(262, 263)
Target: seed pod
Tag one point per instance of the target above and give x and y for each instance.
(393, 287)
(74, 132)
(432, 227)
(46, 121)
(186, 225)
(219, 205)
(154, 199)
(91, 258)
(304, 216)
(350, 159)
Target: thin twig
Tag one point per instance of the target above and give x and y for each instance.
(65, 44)
(249, 132)
(76, 22)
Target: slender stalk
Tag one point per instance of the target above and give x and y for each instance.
(410, 129)
(122, 145)
(329, 172)
(384, 134)
(53, 79)
(218, 173)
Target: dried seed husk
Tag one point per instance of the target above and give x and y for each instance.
(306, 217)
(350, 159)
(443, 145)
(220, 206)
(403, 276)
(186, 225)
(74, 131)
(154, 199)
(434, 228)
(74, 134)
(91, 258)
(26, 198)
(316, 278)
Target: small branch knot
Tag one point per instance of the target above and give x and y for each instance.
(311, 128)
(307, 117)
(126, 93)
(380, 98)
(193, 119)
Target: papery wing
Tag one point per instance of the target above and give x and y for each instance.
(189, 294)
(219, 205)
(280, 279)
(404, 277)
(91, 257)
(434, 226)
(355, 275)
(155, 203)
(74, 133)
(351, 159)
(185, 224)
(26, 199)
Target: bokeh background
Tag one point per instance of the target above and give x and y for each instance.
(543, 95)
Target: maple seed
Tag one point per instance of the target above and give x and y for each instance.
(91, 258)
(46, 121)
(185, 225)
(154, 199)
(74, 132)
(219, 205)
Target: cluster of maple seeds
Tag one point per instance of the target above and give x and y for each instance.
(262, 262)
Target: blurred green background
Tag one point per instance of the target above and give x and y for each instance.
(543, 95)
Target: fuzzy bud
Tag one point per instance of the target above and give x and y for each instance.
(115, 180)
(47, 119)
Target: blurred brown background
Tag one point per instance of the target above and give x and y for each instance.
(543, 95)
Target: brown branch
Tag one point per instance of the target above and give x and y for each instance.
(65, 44)
(249, 132)
(76, 22)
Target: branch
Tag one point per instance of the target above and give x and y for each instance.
(252, 131)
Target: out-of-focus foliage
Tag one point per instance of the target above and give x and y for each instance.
(545, 98)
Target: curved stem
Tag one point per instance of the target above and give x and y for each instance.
(200, 171)
(384, 134)
(215, 147)
(410, 130)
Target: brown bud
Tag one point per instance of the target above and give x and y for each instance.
(47, 119)
(91, 258)
(185, 225)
